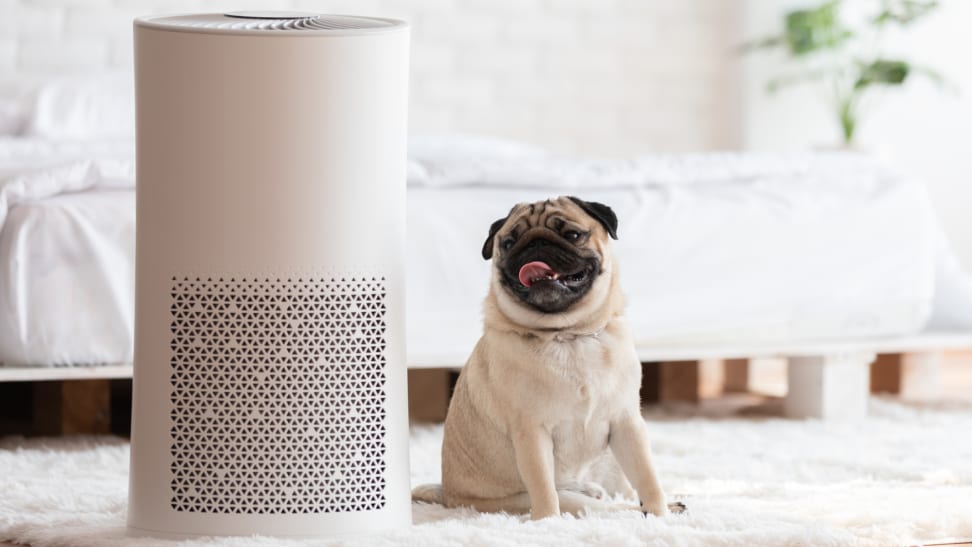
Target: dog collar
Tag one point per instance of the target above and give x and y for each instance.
(571, 336)
(557, 334)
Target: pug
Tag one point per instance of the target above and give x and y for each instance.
(545, 417)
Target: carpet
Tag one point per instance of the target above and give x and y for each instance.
(901, 476)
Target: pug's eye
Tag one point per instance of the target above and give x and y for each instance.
(507, 244)
(572, 235)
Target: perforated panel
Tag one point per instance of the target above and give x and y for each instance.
(278, 394)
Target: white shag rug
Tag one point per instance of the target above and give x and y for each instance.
(901, 476)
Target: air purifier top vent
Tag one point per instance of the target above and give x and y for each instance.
(275, 22)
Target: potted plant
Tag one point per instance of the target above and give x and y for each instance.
(848, 58)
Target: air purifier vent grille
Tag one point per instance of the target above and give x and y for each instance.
(278, 395)
(262, 21)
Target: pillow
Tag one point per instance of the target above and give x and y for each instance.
(88, 108)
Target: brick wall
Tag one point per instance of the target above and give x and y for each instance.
(610, 77)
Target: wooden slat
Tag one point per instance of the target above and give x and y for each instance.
(34, 374)
(931, 341)
(695, 352)
(886, 373)
(428, 394)
(72, 407)
(670, 381)
(913, 375)
(680, 381)
(646, 353)
(736, 379)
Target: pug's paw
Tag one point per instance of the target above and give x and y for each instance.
(677, 508)
(656, 506)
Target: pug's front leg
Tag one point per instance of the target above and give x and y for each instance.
(629, 443)
(535, 461)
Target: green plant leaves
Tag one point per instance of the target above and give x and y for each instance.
(904, 12)
(882, 71)
(825, 49)
(815, 29)
(808, 31)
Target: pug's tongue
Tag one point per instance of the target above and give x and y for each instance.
(532, 271)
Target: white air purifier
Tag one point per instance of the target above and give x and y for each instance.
(270, 389)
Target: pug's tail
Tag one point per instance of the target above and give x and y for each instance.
(429, 493)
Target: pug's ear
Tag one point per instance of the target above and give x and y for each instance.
(601, 213)
(488, 246)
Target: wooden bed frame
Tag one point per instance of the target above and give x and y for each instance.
(832, 379)
(826, 380)
(69, 400)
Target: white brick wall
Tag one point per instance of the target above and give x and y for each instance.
(604, 77)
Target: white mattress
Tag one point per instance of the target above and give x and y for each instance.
(712, 248)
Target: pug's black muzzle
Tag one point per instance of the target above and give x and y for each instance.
(576, 269)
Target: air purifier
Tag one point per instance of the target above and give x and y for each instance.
(269, 392)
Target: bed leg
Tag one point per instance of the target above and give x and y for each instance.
(831, 386)
(670, 381)
(916, 375)
(72, 407)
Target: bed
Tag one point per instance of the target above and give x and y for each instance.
(720, 254)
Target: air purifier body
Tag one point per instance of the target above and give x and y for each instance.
(270, 389)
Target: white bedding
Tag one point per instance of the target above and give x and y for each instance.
(712, 247)
(698, 264)
(67, 280)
